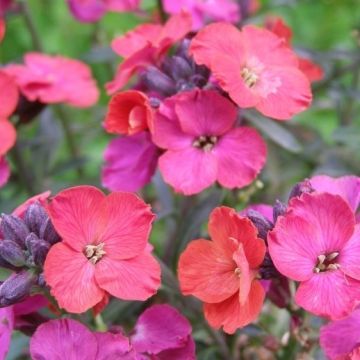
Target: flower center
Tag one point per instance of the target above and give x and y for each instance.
(250, 77)
(327, 262)
(94, 252)
(205, 143)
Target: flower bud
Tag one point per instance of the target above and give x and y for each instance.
(13, 228)
(178, 67)
(35, 215)
(16, 288)
(48, 233)
(156, 80)
(268, 269)
(279, 292)
(261, 223)
(11, 252)
(278, 210)
(301, 188)
(39, 252)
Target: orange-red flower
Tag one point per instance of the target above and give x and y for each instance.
(104, 248)
(223, 272)
(129, 113)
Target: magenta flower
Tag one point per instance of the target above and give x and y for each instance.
(94, 10)
(203, 11)
(55, 79)
(67, 339)
(197, 130)
(348, 187)
(130, 162)
(340, 339)
(164, 334)
(316, 243)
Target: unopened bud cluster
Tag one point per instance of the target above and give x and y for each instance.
(23, 248)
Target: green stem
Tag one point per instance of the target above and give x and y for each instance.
(100, 324)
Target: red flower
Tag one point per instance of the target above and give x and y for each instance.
(104, 248)
(223, 272)
(129, 113)
(146, 45)
(255, 67)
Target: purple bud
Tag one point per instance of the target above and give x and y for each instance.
(301, 188)
(261, 223)
(41, 280)
(156, 80)
(278, 210)
(11, 252)
(154, 102)
(35, 216)
(268, 269)
(13, 228)
(39, 251)
(48, 233)
(16, 288)
(177, 67)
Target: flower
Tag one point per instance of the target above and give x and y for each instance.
(255, 67)
(203, 11)
(316, 243)
(146, 45)
(197, 130)
(277, 25)
(94, 10)
(130, 162)
(68, 339)
(348, 187)
(223, 272)
(15, 317)
(162, 333)
(340, 339)
(104, 248)
(55, 79)
(129, 113)
(2, 29)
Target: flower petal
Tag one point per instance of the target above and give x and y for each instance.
(350, 255)
(160, 327)
(7, 136)
(4, 171)
(331, 294)
(76, 215)
(206, 272)
(6, 329)
(133, 279)
(63, 339)
(9, 95)
(231, 315)
(71, 278)
(113, 346)
(241, 154)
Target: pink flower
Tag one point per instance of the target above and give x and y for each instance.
(197, 130)
(203, 11)
(41, 198)
(55, 79)
(94, 10)
(13, 317)
(2, 29)
(68, 339)
(146, 45)
(130, 162)
(164, 334)
(255, 67)
(129, 113)
(104, 248)
(348, 187)
(316, 243)
(341, 339)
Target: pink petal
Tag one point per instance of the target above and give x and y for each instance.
(113, 346)
(246, 275)
(125, 236)
(335, 345)
(291, 94)
(331, 294)
(130, 162)
(31, 304)
(122, 5)
(76, 215)
(188, 171)
(71, 278)
(4, 171)
(205, 113)
(159, 328)
(348, 187)
(174, 30)
(350, 255)
(9, 95)
(63, 339)
(133, 279)
(7, 136)
(6, 329)
(231, 315)
(206, 272)
(42, 198)
(241, 154)
(185, 352)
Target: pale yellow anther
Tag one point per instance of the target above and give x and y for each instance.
(250, 78)
(237, 271)
(332, 256)
(94, 252)
(325, 262)
(321, 259)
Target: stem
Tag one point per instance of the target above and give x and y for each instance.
(220, 340)
(74, 150)
(36, 39)
(100, 324)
